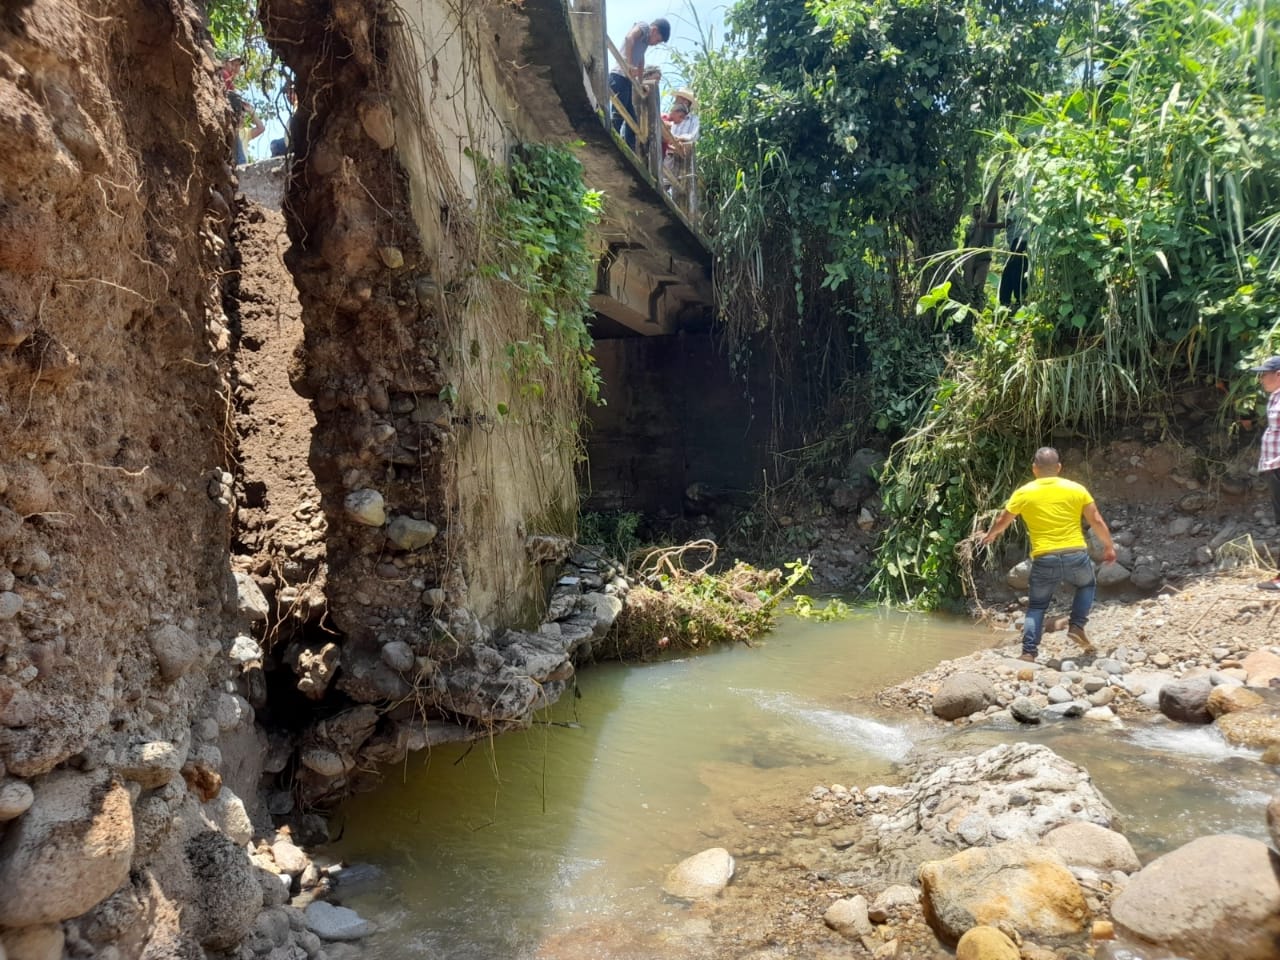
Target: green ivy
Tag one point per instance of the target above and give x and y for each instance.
(544, 214)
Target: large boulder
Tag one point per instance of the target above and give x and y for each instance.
(1258, 728)
(1216, 898)
(69, 851)
(228, 893)
(1187, 701)
(1013, 791)
(1027, 886)
(962, 694)
(1082, 844)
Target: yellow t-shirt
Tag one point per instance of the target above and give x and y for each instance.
(1051, 508)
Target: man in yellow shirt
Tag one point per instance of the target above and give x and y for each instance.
(1052, 509)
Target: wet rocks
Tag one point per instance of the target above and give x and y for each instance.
(1215, 898)
(1026, 885)
(700, 877)
(334, 923)
(962, 694)
(1187, 700)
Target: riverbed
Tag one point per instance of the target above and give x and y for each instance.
(494, 849)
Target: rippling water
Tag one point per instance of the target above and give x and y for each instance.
(486, 851)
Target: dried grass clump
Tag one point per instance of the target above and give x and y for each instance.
(675, 607)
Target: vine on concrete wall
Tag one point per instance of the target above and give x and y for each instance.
(542, 214)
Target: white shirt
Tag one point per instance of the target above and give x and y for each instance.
(686, 129)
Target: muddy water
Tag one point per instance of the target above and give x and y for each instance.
(484, 852)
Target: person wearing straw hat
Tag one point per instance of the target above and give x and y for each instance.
(680, 128)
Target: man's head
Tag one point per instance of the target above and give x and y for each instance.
(1268, 372)
(684, 100)
(1046, 463)
(659, 32)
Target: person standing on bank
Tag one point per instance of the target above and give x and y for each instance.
(639, 39)
(1269, 456)
(1052, 509)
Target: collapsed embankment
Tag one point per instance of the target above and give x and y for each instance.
(206, 578)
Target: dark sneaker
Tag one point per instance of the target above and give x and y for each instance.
(1273, 584)
(1081, 639)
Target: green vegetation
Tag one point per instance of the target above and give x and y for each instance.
(679, 606)
(542, 214)
(236, 31)
(847, 144)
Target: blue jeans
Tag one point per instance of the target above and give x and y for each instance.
(1046, 573)
(621, 87)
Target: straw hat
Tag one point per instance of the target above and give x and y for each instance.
(686, 94)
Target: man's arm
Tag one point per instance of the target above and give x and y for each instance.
(1002, 524)
(1099, 526)
(628, 44)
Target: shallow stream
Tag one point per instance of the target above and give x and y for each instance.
(483, 852)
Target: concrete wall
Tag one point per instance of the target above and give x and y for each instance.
(674, 417)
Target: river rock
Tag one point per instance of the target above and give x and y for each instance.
(244, 649)
(228, 813)
(986, 943)
(1113, 574)
(1014, 791)
(700, 877)
(175, 650)
(1261, 667)
(1019, 576)
(70, 850)
(1028, 886)
(330, 922)
(152, 763)
(228, 895)
(10, 605)
(398, 655)
(1187, 700)
(1215, 898)
(892, 899)
(289, 857)
(409, 534)
(1083, 844)
(848, 917)
(962, 694)
(44, 942)
(1025, 710)
(16, 798)
(1228, 698)
(365, 507)
(251, 602)
(1259, 728)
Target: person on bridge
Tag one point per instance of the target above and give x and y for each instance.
(638, 40)
(1052, 508)
(680, 132)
